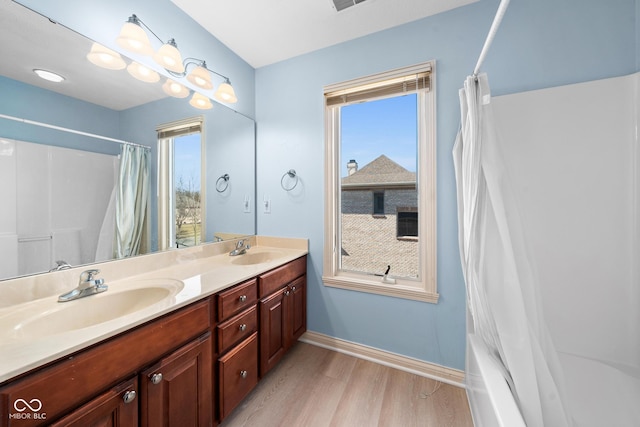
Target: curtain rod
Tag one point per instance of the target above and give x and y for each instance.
(77, 132)
(492, 33)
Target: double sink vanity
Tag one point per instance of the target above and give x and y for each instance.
(178, 338)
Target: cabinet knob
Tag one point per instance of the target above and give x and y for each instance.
(293, 288)
(287, 292)
(243, 327)
(244, 374)
(156, 378)
(242, 298)
(129, 396)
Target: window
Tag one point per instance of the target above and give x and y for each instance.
(407, 223)
(378, 203)
(384, 126)
(181, 184)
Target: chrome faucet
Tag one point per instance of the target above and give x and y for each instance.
(60, 265)
(241, 248)
(88, 285)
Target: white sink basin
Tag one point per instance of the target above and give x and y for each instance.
(42, 318)
(251, 258)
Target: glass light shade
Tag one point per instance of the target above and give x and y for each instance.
(175, 89)
(133, 38)
(200, 101)
(201, 78)
(143, 73)
(168, 56)
(105, 57)
(225, 93)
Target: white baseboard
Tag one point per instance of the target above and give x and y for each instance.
(419, 367)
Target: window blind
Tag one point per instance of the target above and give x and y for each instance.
(379, 89)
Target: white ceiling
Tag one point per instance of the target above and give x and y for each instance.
(263, 32)
(32, 41)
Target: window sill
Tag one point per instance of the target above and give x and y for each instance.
(399, 290)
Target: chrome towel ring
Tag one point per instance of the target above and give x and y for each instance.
(222, 183)
(292, 174)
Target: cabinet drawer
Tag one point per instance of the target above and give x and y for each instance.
(236, 299)
(277, 278)
(238, 374)
(237, 328)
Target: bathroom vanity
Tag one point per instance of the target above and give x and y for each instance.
(187, 359)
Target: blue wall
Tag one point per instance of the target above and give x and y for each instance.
(540, 44)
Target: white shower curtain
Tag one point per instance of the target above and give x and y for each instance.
(131, 201)
(502, 293)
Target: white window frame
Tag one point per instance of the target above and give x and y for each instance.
(166, 190)
(425, 288)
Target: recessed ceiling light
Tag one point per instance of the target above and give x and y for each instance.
(48, 75)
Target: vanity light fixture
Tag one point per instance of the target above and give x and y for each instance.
(143, 73)
(175, 89)
(106, 58)
(49, 75)
(200, 101)
(134, 38)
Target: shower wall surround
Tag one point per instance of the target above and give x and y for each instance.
(42, 181)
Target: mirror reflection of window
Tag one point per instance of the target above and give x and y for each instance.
(181, 209)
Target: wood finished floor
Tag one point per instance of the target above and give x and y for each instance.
(313, 387)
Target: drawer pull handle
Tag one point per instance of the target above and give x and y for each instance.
(242, 298)
(129, 396)
(244, 374)
(156, 378)
(243, 327)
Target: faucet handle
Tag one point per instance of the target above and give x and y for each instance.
(88, 275)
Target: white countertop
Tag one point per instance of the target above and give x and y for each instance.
(201, 274)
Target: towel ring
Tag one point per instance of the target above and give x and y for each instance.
(223, 180)
(292, 174)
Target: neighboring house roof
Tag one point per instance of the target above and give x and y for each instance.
(381, 172)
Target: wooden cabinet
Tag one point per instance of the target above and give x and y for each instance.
(117, 407)
(283, 311)
(82, 378)
(190, 367)
(177, 390)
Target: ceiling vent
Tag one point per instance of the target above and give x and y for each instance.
(343, 4)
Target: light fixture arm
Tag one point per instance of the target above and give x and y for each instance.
(133, 19)
(198, 63)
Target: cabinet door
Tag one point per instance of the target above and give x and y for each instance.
(177, 390)
(273, 331)
(296, 305)
(117, 407)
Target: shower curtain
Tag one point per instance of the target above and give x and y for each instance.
(502, 293)
(131, 200)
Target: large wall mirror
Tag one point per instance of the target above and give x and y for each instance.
(57, 186)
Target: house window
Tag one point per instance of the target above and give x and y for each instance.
(407, 220)
(380, 147)
(378, 203)
(181, 183)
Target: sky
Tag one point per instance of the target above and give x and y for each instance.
(386, 126)
(187, 160)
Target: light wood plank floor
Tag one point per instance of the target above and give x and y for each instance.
(313, 387)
